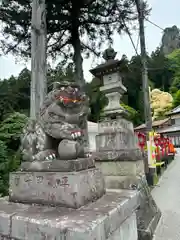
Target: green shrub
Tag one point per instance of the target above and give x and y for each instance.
(11, 130)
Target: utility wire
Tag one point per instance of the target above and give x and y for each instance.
(136, 47)
(129, 34)
(154, 24)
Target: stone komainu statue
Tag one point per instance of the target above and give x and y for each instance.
(59, 133)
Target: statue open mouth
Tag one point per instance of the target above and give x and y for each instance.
(67, 100)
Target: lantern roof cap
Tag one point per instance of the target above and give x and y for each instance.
(111, 64)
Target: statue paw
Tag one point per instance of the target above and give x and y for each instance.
(76, 134)
(46, 155)
(50, 157)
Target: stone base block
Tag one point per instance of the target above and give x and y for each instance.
(71, 189)
(58, 165)
(122, 182)
(121, 168)
(109, 218)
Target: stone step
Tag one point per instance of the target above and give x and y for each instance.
(111, 217)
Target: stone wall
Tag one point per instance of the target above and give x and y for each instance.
(110, 218)
(127, 231)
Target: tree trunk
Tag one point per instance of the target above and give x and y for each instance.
(38, 57)
(76, 43)
(78, 62)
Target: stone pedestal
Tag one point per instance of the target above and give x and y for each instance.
(117, 155)
(67, 189)
(109, 218)
(121, 174)
(72, 183)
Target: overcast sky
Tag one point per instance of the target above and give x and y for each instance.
(165, 13)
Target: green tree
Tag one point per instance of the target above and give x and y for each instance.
(159, 71)
(176, 101)
(175, 86)
(22, 91)
(66, 22)
(15, 94)
(3, 169)
(69, 22)
(97, 99)
(11, 130)
(60, 73)
(133, 83)
(174, 58)
(10, 156)
(133, 114)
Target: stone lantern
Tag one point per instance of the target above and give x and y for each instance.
(113, 87)
(117, 153)
(116, 138)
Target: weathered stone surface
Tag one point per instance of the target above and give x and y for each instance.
(121, 174)
(5, 238)
(59, 165)
(148, 214)
(116, 134)
(7, 210)
(115, 125)
(121, 168)
(118, 155)
(121, 182)
(71, 189)
(100, 220)
(116, 141)
(127, 230)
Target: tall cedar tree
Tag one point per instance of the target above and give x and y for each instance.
(73, 26)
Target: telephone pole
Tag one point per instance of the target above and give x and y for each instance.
(147, 108)
(38, 57)
(145, 86)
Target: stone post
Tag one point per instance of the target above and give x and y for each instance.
(117, 154)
